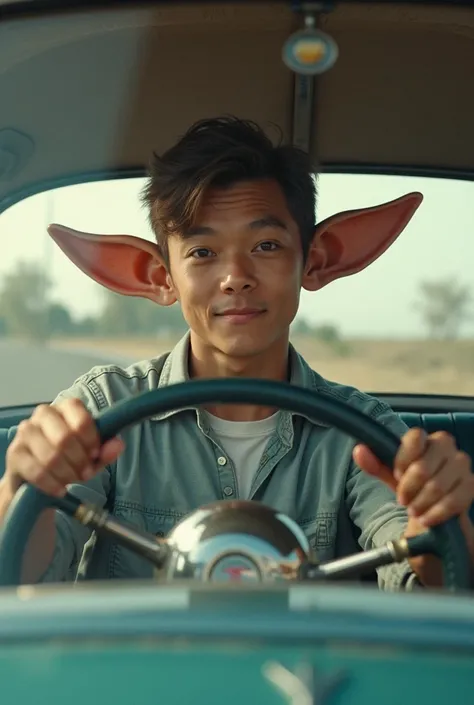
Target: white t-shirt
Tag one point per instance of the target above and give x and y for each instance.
(244, 443)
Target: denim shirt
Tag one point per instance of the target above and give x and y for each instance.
(172, 464)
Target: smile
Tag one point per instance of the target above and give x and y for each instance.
(240, 316)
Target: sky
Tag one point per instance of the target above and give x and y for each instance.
(378, 302)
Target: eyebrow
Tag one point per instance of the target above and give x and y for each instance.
(268, 221)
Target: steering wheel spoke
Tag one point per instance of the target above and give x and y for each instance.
(358, 564)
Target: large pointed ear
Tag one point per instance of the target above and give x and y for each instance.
(125, 264)
(348, 242)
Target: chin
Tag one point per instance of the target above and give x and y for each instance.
(243, 347)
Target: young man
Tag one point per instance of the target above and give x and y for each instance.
(236, 241)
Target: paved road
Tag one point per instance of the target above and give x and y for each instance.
(33, 373)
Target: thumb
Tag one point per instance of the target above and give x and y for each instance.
(110, 451)
(370, 464)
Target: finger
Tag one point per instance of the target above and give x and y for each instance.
(461, 492)
(82, 423)
(449, 506)
(109, 452)
(64, 445)
(434, 490)
(439, 449)
(47, 459)
(412, 447)
(370, 464)
(26, 466)
(80, 420)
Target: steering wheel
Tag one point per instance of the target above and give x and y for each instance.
(445, 540)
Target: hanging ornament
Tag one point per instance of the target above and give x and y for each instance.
(310, 51)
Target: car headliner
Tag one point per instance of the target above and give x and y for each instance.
(88, 93)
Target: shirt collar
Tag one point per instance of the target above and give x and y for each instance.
(176, 371)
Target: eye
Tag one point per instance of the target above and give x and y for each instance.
(268, 246)
(201, 253)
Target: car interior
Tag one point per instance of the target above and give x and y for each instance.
(88, 88)
(115, 101)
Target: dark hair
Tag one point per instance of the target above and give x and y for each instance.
(219, 152)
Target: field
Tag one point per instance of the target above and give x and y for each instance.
(429, 367)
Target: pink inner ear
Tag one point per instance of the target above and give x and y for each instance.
(355, 239)
(121, 263)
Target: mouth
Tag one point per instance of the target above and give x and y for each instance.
(240, 315)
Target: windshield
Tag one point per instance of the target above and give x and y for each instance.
(403, 325)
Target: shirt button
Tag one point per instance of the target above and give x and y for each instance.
(228, 491)
(221, 460)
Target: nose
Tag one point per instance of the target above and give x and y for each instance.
(237, 276)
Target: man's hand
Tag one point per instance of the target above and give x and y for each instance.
(434, 481)
(57, 446)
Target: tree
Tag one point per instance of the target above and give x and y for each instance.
(327, 333)
(60, 321)
(25, 301)
(86, 326)
(301, 326)
(132, 315)
(444, 305)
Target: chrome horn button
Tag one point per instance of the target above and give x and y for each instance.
(236, 541)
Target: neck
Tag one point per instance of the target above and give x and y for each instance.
(206, 362)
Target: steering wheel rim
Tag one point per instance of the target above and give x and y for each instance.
(448, 540)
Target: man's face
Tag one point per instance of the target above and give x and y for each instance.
(237, 272)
